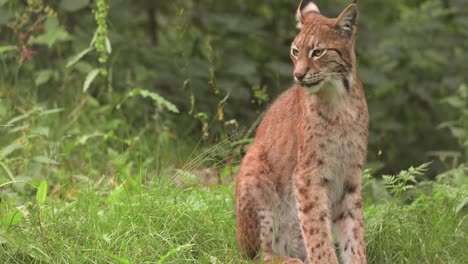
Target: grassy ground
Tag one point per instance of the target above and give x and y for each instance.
(155, 224)
(160, 223)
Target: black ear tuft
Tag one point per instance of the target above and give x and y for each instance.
(354, 1)
(304, 3)
(305, 8)
(348, 19)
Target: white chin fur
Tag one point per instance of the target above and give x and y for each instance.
(313, 89)
(330, 89)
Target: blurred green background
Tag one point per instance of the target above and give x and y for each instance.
(115, 115)
(86, 90)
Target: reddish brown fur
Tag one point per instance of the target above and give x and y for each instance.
(309, 149)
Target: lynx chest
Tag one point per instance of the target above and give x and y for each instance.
(335, 140)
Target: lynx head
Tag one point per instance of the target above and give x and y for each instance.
(323, 51)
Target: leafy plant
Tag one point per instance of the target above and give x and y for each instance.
(41, 196)
(399, 183)
(156, 98)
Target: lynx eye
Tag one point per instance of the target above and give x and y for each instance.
(316, 53)
(294, 51)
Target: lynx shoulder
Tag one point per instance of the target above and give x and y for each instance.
(301, 178)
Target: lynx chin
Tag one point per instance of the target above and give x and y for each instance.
(299, 185)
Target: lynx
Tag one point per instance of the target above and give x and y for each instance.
(301, 178)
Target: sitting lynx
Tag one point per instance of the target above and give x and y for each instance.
(303, 173)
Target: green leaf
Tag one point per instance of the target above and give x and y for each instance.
(18, 128)
(462, 204)
(6, 14)
(108, 46)
(73, 5)
(53, 33)
(45, 160)
(84, 139)
(155, 97)
(7, 48)
(38, 254)
(203, 116)
(187, 177)
(41, 131)
(457, 132)
(11, 218)
(7, 171)
(454, 101)
(89, 79)
(51, 111)
(119, 259)
(43, 77)
(173, 252)
(78, 57)
(41, 194)
(3, 236)
(18, 118)
(11, 148)
(447, 124)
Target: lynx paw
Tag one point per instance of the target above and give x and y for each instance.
(281, 260)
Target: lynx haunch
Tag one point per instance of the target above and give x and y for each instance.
(301, 178)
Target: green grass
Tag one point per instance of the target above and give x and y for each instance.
(161, 223)
(158, 223)
(432, 229)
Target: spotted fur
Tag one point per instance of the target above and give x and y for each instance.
(301, 179)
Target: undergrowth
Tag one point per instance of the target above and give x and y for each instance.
(159, 222)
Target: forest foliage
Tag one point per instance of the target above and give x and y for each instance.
(119, 91)
(171, 71)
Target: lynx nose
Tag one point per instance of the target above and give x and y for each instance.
(299, 76)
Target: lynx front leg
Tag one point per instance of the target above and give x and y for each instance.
(254, 206)
(350, 226)
(252, 218)
(255, 222)
(266, 221)
(314, 215)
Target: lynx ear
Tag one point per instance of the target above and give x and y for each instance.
(348, 19)
(306, 7)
